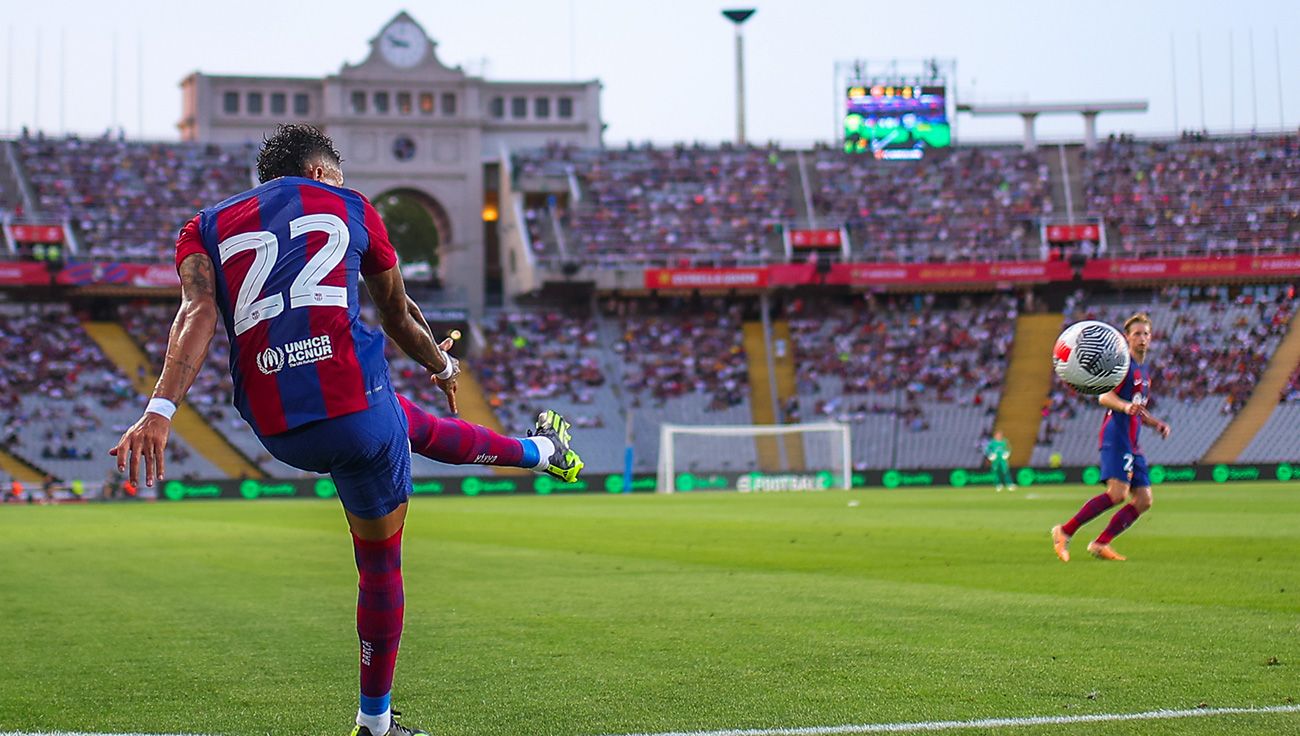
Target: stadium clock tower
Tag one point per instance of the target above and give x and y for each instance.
(410, 127)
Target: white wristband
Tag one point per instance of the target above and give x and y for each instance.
(162, 407)
(449, 371)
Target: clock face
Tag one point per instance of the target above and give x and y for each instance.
(403, 148)
(403, 44)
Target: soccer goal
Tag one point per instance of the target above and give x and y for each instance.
(823, 453)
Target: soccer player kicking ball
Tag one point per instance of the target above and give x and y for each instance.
(1123, 467)
(280, 266)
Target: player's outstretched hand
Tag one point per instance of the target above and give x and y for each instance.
(1162, 427)
(448, 385)
(145, 440)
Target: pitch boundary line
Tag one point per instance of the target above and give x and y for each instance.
(910, 727)
(919, 726)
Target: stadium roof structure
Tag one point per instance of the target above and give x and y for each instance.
(1029, 112)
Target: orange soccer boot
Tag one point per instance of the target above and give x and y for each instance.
(1061, 543)
(1104, 552)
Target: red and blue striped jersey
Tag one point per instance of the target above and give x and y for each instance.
(287, 257)
(1120, 430)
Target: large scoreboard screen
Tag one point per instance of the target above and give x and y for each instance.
(895, 121)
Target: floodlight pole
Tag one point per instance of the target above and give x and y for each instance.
(738, 17)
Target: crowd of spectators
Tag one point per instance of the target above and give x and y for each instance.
(967, 204)
(668, 206)
(865, 357)
(1197, 195)
(670, 351)
(127, 200)
(1291, 392)
(1205, 344)
(45, 354)
(533, 360)
(150, 325)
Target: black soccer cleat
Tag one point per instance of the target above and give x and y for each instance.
(394, 729)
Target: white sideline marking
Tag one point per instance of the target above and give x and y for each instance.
(1151, 715)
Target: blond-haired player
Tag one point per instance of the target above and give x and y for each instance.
(1123, 467)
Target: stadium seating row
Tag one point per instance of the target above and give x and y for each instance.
(918, 383)
(682, 206)
(63, 403)
(1198, 197)
(661, 206)
(971, 204)
(128, 199)
(693, 205)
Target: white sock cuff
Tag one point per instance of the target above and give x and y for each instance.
(545, 448)
(379, 724)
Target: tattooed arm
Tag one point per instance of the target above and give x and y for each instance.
(187, 347)
(192, 330)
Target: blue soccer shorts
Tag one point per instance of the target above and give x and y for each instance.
(1125, 466)
(367, 453)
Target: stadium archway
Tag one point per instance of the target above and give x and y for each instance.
(418, 226)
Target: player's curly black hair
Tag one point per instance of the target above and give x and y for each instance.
(291, 149)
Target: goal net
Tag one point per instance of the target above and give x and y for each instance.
(755, 457)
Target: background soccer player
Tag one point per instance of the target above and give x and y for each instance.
(280, 266)
(998, 453)
(1123, 466)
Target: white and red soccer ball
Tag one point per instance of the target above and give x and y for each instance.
(1091, 357)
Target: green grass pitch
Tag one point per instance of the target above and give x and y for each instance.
(582, 616)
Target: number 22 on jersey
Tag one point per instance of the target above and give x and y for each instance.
(306, 289)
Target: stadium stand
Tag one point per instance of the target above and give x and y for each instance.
(684, 362)
(918, 383)
(1276, 440)
(918, 377)
(128, 199)
(675, 206)
(64, 403)
(1205, 364)
(959, 205)
(539, 360)
(1197, 196)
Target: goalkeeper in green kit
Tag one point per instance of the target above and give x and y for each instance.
(998, 453)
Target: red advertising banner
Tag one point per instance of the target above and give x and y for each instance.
(815, 239)
(1192, 268)
(859, 274)
(156, 275)
(791, 274)
(885, 274)
(1073, 233)
(148, 275)
(701, 278)
(23, 273)
(37, 233)
(163, 275)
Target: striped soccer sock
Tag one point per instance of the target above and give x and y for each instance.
(458, 442)
(380, 605)
(1122, 520)
(1090, 511)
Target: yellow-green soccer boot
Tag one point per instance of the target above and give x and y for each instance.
(394, 729)
(565, 464)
